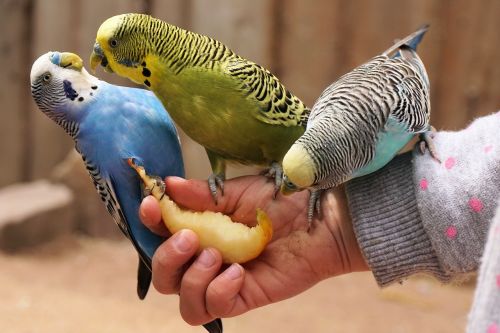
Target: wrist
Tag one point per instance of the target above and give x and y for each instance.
(336, 216)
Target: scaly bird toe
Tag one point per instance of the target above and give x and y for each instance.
(158, 182)
(214, 181)
(427, 143)
(314, 207)
(275, 171)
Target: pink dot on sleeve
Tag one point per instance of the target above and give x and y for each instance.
(476, 204)
(424, 184)
(451, 232)
(493, 328)
(449, 163)
(488, 148)
(498, 281)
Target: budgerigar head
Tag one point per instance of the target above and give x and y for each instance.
(60, 86)
(122, 44)
(298, 170)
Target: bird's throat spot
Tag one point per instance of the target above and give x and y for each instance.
(69, 91)
(146, 72)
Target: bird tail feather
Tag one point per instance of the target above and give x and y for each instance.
(410, 41)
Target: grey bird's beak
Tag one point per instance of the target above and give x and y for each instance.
(97, 57)
(287, 187)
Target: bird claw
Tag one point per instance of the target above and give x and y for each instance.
(146, 191)
(214, 181)
(274, 171)
(314, 207)
(427, 143)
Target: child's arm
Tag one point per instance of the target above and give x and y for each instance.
(435, 221)
(485, 313)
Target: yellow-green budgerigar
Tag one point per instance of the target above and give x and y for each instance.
(236, 109)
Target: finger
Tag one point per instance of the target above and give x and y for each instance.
(194, 285)
(223, 298)
(150, 215)
(170, 259)
(195, 194)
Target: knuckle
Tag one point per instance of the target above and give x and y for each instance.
(218, 303)
(164, 288)
(191, 317)
(216, 293)
(191, 280)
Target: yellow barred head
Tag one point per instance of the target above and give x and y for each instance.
(121, 47)
(298, 169)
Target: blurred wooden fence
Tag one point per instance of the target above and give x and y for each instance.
(308, 44)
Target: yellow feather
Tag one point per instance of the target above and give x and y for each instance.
(299, 167)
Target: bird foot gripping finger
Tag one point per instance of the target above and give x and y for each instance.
(275, 171)
(147, 186)
(427, 143)
(314, 207)
(214, 181)
(157, 182)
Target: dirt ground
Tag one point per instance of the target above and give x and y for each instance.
(87, 285)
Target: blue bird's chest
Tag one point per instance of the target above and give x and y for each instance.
(390, 141)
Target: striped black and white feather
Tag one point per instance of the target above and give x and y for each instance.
(363, 119)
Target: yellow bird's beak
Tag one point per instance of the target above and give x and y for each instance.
(98, 58)
(70, 60)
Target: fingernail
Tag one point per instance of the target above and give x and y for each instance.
(206, 258)
(182, 242)
(233, 272)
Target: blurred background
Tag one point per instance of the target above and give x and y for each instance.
(64, 265)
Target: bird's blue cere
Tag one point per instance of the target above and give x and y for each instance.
(55, 58)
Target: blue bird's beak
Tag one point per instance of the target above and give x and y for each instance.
(67, 60)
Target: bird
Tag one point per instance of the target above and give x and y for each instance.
(110, 124)
(236, 109)
(361, 121)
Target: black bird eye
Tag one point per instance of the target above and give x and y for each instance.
(47, 77)
(113, 42)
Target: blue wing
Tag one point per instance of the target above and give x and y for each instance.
(125, 123)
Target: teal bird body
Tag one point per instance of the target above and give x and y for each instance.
(233, 107)
(361, 121)
(393, 138)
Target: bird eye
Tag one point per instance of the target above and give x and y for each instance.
(47, 77)
(113, 42)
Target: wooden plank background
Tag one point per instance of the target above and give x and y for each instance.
(308, 44)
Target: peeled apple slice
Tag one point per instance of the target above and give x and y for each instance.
(237, 242)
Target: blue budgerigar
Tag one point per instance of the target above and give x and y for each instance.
(109, 125)
(360, 122)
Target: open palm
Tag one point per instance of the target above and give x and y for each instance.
(292, 262)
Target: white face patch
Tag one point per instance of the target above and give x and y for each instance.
(78, 85)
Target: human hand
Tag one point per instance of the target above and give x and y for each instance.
(292, 262)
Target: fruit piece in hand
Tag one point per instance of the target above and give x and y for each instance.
(237, 242)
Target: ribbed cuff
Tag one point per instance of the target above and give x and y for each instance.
(388, 226)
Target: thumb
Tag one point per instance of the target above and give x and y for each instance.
(194, 194)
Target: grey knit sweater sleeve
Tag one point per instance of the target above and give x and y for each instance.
(418, 215)
(485, 313)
